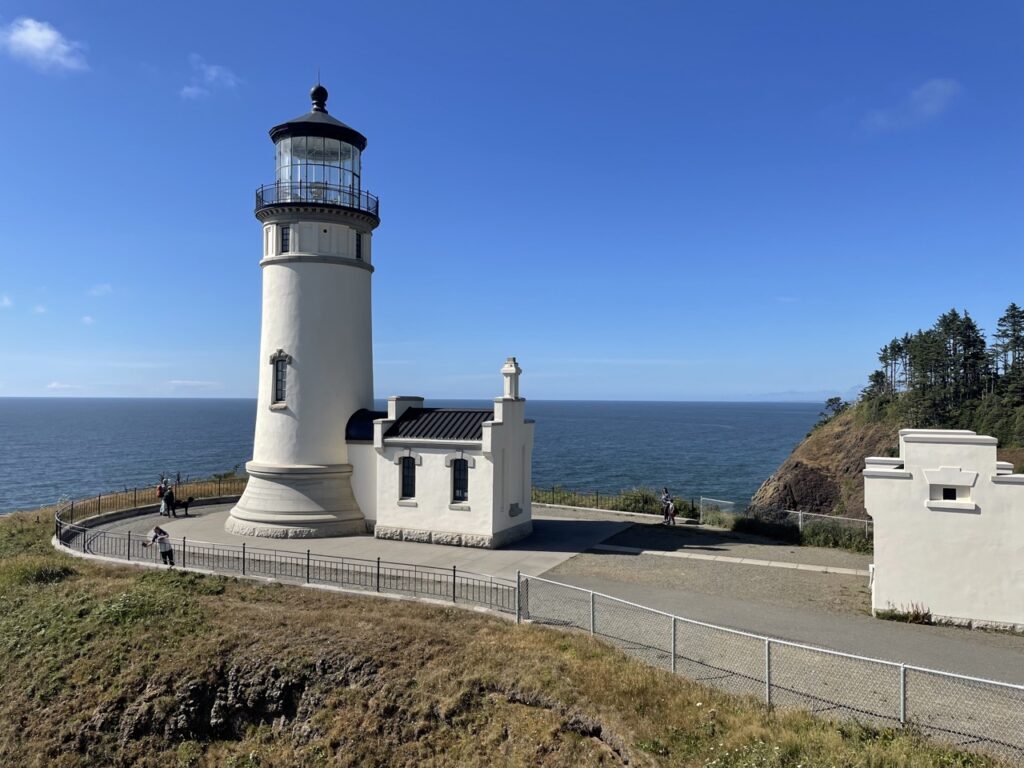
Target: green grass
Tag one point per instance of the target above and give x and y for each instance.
(103, 665)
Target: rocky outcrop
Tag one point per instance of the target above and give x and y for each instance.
(823, 474)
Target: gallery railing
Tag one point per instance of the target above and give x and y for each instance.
(317, 193)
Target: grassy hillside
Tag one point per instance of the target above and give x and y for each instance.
(104, 665)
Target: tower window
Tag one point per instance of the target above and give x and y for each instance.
(949, 494)
(280, 361)
(286, 238)
(460, 480)
(407, 467)
(359, 246)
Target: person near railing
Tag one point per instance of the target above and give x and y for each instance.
(162, 539)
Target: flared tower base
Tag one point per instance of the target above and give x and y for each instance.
(297, 502)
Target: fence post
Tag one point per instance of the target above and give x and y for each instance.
(903, 694)
(99, 503)
(243, 558)
(592, 613)
(129, 546)
(307, 562)
(767, 671)
(72, 510)
(184, 545)
(519, 610)
(673, 645)
(218, 487)
(378, 574)
(800, 521)
(135, 498)
(453, 583)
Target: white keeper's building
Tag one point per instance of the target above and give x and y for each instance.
(325, 463)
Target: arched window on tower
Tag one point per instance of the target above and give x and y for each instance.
(280, 362)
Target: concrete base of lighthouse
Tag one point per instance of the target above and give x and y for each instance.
(297, 502)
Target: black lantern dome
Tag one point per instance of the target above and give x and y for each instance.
(317, 122)
(318, 162)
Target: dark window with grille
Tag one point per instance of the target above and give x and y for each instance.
(359, 246)
(280, 379)
(460, 480)
(408, 469)
(286, 239)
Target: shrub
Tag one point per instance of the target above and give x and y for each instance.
(825, 534)
(915, 614)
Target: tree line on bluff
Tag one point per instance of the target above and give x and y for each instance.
(949, 376)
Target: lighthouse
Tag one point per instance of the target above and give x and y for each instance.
(316, 356)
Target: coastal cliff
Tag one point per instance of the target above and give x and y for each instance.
(822, 474)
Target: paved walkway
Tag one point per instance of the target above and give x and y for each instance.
(554, 540)
(726, 559)
(558, 538)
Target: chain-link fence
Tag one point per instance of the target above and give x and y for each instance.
(969, 712)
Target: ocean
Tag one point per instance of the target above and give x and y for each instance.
(51, 447)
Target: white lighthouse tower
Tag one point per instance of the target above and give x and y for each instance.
(316, 357)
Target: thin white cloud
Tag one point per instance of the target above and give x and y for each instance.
(102, 289)
(929, 100)
(5, 301)
(87, 320)
(39, 309)
(207, 77)
(41, 45)
(194, 383)
(56, 385)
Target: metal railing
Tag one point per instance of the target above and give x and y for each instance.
(318, 193)
(638, 500)
(71, 510)
(970, 712)
(449, 584)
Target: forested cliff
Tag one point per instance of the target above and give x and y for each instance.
(947, 376)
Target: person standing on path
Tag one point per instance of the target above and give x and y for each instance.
(665, 500)
(162, 539)
(670, 512)
(169, 501)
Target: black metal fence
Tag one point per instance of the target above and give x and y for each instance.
(457, 586)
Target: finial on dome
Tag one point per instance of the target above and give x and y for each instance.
(319, 96)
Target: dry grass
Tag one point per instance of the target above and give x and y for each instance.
(110, 666)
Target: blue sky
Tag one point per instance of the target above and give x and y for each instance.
(651, 200)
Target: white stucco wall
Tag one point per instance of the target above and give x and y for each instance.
(319, 314)
(509, 441)
(433, 509)
(962, 560)
(363, 459)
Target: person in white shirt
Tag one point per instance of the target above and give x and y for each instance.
(162, 539)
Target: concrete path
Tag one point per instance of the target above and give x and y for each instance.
(558, 538)
(726, 559)
(554, 540)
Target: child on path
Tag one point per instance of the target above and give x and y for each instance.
(162, 539)
(670, 512)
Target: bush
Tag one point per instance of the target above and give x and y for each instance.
(915, 614)
(825, 534)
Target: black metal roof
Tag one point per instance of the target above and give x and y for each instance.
(441, 424)
(360, 425)
(317, 122)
